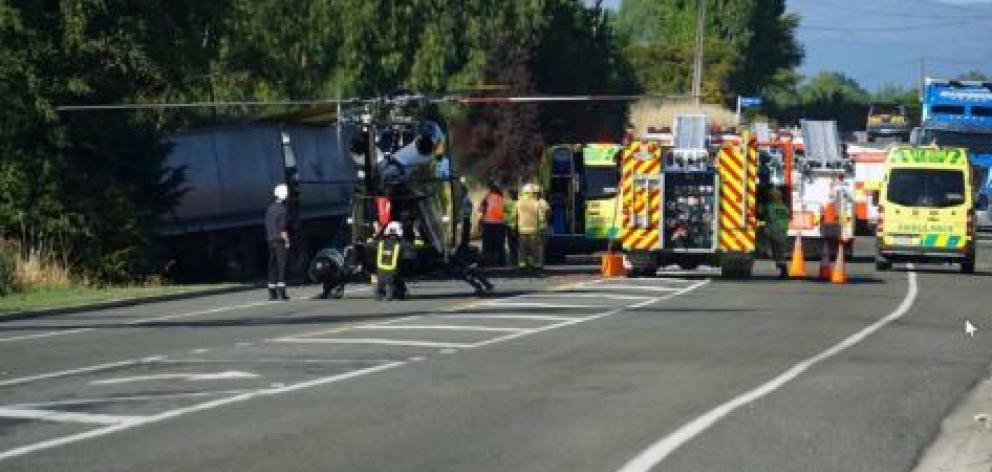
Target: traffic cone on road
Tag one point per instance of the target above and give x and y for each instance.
(797, 266)
(825, 270)
(839, 275)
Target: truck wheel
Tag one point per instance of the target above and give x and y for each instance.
(968, 265)
(882, 265)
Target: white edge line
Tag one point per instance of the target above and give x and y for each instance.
(81, 370)
(591, 318)
(444, 328)
(46, 334)
(194, 408)
(657, 452)
(67, 416)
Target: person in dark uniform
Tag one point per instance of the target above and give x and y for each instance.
(277, 235)
(389, 280)
(774, 217)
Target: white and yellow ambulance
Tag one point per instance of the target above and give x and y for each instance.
(926, 208)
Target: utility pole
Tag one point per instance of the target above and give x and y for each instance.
(697, 68)
(923, 74)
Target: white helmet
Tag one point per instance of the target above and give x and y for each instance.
(528, 189)
(281, 191)
(394, 228)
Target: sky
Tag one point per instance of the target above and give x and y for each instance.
(883, 41)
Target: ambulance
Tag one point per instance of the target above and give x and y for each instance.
(926, 211)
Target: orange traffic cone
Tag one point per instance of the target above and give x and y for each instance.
(825, 270)
(797, 266)
(839, 275)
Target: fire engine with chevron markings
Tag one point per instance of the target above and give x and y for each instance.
(689, 203)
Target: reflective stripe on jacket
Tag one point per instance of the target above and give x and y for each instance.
(388, 255)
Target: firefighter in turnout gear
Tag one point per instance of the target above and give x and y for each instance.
(277, 235)
(774, 217)
(531, 220)
(389, 279)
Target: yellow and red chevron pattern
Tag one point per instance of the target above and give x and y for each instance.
(641, 205)
(738, 193)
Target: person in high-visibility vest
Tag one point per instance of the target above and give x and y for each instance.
(389, 279)
(531, 221)
(512, 240)
(774, 217)
(492, 218)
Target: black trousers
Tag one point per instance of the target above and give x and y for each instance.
(277, 263)
(466, 234)
(513, 244)
(493, 244)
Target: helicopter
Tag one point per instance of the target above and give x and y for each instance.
(403, 174)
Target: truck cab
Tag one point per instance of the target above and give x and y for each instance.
(887, 120)
(926, 208)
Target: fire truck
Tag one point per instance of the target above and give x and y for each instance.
(819, 175)
(689, 204)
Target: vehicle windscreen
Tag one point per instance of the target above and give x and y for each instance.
(976, 143)
(887, 109)
(928, 188)
(601, 182)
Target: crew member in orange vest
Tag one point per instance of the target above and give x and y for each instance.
(493, 227)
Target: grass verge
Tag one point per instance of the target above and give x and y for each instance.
(68, 296)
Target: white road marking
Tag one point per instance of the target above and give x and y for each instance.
(140, 322)
(512, 317)
(607, 296)
(68, 416)
(445, 328)
(20, 451)
(592, 317)
(380, 341)
(81, 370)
(46, 334)
(131, 398)
(536, 305)
(196, 313)
(189, 377)
(646, 288)
(657, 452)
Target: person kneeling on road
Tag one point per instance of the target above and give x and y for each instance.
(389, 280)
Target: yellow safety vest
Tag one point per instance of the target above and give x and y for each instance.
(388, 258)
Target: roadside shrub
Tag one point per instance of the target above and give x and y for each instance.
(8, 268)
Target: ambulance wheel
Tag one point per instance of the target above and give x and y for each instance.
(882, 265)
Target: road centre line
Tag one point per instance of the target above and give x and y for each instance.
(46, 334)
(661, 449)
(444, 328)
(20, 451)
(67, 416)
(80, 370)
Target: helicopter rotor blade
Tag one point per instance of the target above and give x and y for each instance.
(230, 104)
(547, 99)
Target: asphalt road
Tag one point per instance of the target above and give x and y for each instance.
(683, 372)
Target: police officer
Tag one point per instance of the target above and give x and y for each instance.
(491, 214)
(277, 235)
(389, 280)
(531, 216)
(774, 216)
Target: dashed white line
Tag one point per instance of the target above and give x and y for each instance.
(657, 452)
